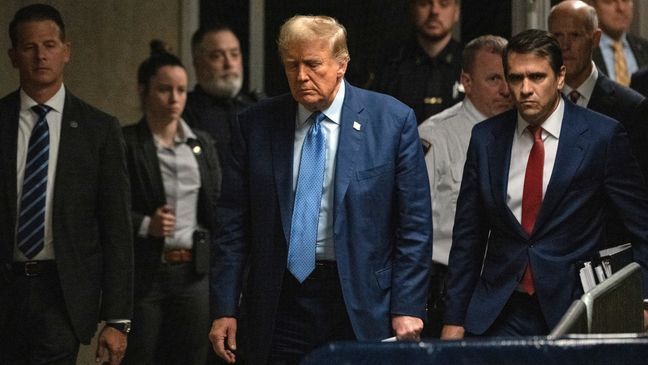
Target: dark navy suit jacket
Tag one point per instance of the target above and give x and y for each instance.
(593, 165)
(382, 216)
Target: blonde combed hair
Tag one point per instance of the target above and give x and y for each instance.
(307, 28)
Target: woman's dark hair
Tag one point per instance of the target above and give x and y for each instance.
(159, 58)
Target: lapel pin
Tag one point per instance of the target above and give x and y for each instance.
(356, 126)
(196, 150)
(74, 124)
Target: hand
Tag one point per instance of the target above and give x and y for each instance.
(224, 329)
(452, 332)
(407, 328)
(111, 344)
(645, 315)
(162, 222)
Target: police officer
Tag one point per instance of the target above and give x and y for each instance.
(424, 73)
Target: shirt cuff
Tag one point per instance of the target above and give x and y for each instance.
(144, 227)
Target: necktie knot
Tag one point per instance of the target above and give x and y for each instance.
(574, 96)
(41, 110)
(317, 117)
(617, 46)
(536, 132)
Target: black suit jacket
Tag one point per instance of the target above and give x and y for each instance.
(148, 194)
(91, 225)
(639, 47)
(621, 103)
(639, 81)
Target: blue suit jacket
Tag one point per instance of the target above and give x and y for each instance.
(382, 215)
(593, 163)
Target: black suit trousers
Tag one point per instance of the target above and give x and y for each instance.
(37, 328)
(310, 314)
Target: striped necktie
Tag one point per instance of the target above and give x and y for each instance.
(31, 221)
(308, 198)
(620, 64)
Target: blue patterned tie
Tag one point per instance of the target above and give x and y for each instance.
(308, 196)
(31, 221)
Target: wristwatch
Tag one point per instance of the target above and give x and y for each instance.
(123, 327)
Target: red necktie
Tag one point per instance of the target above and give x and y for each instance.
(532, 196)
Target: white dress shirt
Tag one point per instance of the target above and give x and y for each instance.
(522, 143)
(448, 134)
(325, 242)
(27, 121)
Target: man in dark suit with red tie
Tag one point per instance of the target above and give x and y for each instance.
(534, 192)
(65, 242)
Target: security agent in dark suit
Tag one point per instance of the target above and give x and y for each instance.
(175, 181)
(65, 250)
(589, 88)
(615, 19)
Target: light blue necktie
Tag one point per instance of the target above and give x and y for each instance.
(31, 221)
(308, 197)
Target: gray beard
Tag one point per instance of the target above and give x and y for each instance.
(225, 88)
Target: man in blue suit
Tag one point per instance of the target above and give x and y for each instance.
(532, 201)
(326, 206)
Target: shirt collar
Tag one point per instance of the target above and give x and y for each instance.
(333, 112)
(607, 41)
(56, 102)
(472, 111)
(184, 132)
(183, 135)
(587, 87)
(552, 125)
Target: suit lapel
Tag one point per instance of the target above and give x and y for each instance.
(572, 146)
(638, 50)
(9, 119)
(283, 137)
(597, 57)
(348, 145)
(149, 160)
(603, 99)
(499, 162)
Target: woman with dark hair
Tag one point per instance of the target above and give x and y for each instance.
(175, 181)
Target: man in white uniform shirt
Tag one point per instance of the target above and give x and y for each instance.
(445, 137)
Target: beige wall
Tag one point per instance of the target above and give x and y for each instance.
(109, 40)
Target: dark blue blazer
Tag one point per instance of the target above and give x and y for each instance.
(382, 216)
(593, 165)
